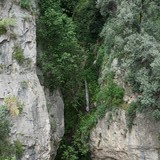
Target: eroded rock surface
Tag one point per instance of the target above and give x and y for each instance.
(56, 114)
(111, 139)
(33, 127)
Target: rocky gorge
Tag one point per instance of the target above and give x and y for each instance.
(91, 65)
(111, 139)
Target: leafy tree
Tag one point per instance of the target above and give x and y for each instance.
(68, 6)
(89, 22)
(61, 55)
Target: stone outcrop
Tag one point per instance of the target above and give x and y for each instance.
(56, 116)
(111, 139)
(39, 126)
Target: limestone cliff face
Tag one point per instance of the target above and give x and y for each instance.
(37, 127)
(111, 140)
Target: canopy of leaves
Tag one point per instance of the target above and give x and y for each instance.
(61, 54)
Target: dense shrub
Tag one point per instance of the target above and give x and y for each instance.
(110, 94)
(89, 22)
(6, 149)
(131, 35)
(18, 149)
(109, 97)
(18, 54)
(25, 4)
(4, 23)
(61, 55)
(131, 114)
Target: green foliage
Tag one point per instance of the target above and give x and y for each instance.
(156, 114)
(18, 149)
(131, 35)
(131, 114)
(4, 125)
(61, 53)
(18, 54)
(89, 22)
(68, 58)
(107, 7)
(101, 110)
(79, 148)
(7, 158)
(68, 6)
(110, 95)
(145, 67)
(25, 4)
(4, 23)
(12, 158)
(2, 29)
(61, 62)
(69, 153)
(6, 149)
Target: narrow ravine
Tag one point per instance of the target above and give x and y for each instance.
(79, 80)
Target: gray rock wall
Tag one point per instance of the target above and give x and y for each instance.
(38, 130)
(56, 114)
(111, 140)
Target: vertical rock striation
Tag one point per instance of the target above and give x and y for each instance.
(38, 130)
